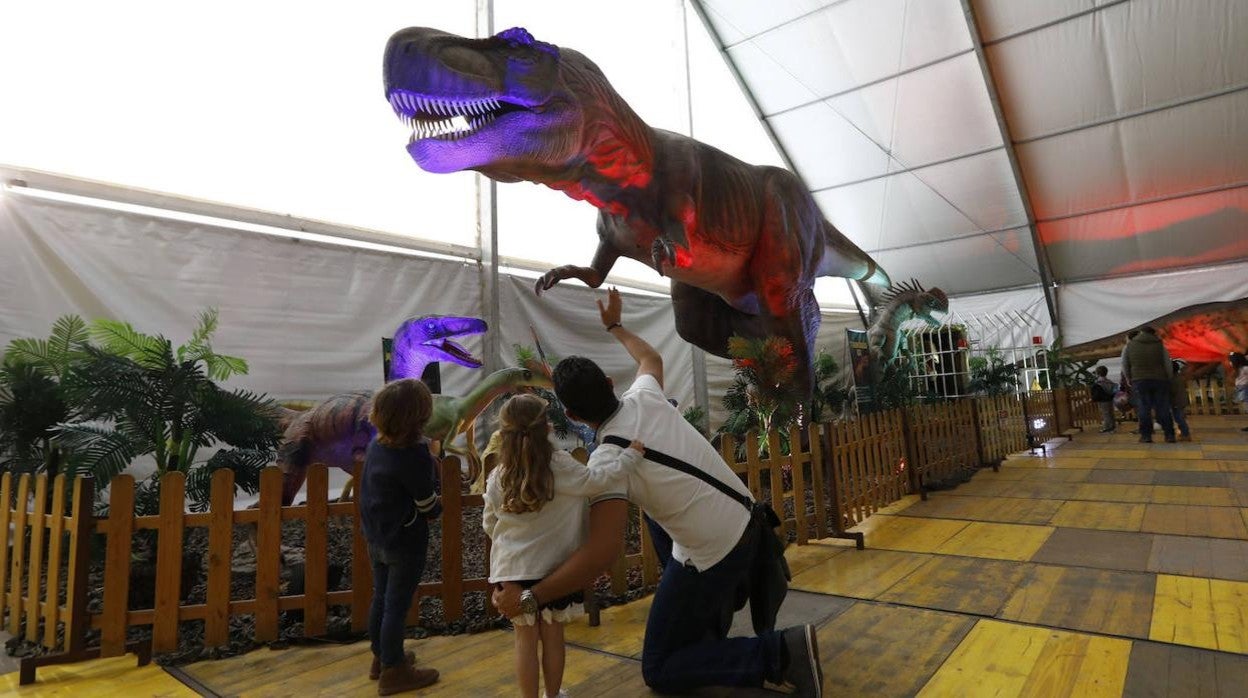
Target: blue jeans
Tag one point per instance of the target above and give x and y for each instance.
(662, 542)
(687, 644)
(1154, 398)
(396, 574)
(1180, 420)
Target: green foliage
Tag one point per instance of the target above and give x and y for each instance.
(761, 397)
(1065, 371)
(897, 384)
(991, 375)
(32, 402)
(137, 395)
(696, 416)
(829, 396)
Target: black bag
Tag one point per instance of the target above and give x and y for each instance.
(1099, 394)
(769, 574)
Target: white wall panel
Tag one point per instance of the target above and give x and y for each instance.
(1167, 152)
(969, 265)
(998, 18)
(827, 149)
(1095, 309)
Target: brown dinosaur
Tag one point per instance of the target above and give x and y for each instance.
(1199, 334)
(742, 244)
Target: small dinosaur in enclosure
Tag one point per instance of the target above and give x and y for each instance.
(741, 244)
(1203, 334)
(337, 431)
(898, 305)
(422, 340)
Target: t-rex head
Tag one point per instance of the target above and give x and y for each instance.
(511, 107)
(422, 340)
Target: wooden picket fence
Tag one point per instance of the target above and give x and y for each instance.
(1213, 399)
(834, 477)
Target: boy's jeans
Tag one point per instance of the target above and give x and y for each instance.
(396, 574)
(1107, 415)
(1180, 420)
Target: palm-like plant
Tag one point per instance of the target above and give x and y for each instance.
(32, 402)
(991, 375)
(144, 397)
(761, 396)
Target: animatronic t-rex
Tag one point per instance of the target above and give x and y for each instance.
(898, 305)
(742, 244)
(1199, 334)
(337, 431)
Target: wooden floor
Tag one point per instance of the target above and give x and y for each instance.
(1106, 568)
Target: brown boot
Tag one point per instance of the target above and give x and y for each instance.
(404, 677)
(374, 672)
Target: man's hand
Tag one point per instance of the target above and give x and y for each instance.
(638, 446)
(506, 598)
(611, 312)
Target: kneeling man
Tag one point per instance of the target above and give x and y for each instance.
(706, 577)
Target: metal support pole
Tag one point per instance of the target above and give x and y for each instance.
(487, 234)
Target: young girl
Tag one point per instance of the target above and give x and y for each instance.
(397, 497)
(536, 504)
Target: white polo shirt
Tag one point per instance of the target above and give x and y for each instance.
(704, 523)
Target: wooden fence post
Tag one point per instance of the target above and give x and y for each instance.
(979, 437)
(912, 454)
(19, 555)
(169, 561)
(316, 553)
(117, 565)
(6, 538)
(361, 568)
(56, 536)
(220, 558)
(34, 570)
(268, 554)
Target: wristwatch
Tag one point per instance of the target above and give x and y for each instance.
(528, 602)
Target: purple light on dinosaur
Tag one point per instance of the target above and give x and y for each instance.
(420, 341)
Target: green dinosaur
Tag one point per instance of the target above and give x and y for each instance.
(337, 431)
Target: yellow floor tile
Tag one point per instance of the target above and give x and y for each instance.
(1121, 454)
(1200, 612)
(802, 557)
(1103, 492)
(1159, 464)
(1105, 516)
(621, 630)
(1233, 466)
(1172, 453)
(1080, 462)
(998, 541)
(1002, 659)
(1208, 496)
(861, 574)
(909, 533)
(900, 505)
(1190, 520)
(117, 676)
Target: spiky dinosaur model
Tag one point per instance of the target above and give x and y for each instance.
(897, 306)
(742, 244)
(337, 431)
(1199, 334)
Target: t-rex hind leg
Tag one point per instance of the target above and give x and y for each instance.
(800, 326)
(707, 321)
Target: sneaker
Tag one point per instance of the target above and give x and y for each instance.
(1107, 431)
(1170, 439)
(404, 677)
(1244, 429)
(374, 672)
(803, 673)
(1185, 437)
(1146, 439)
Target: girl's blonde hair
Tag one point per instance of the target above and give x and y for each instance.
(524, 473)
(400, 411)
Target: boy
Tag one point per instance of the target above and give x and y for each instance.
(397, 497)
(1103, 390)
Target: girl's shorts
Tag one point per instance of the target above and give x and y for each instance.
(561, 610)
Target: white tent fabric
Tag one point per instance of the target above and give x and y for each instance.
(1125, 116)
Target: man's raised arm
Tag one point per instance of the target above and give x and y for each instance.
(649, 361)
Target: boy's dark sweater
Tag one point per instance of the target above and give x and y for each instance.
(397, 496)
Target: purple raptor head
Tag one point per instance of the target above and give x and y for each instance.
(420, 341)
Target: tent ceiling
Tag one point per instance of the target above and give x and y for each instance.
(1127, 118)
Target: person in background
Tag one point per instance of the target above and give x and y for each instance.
(1179, 401)
(397, 498)
(1103, 390)
(536, 504)
(1240, 364)
(1146, 365)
